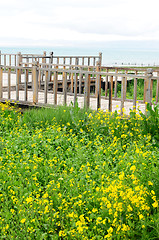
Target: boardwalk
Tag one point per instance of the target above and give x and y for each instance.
(60, 97)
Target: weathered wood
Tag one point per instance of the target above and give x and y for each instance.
(46, 87)
(10, 60)
(135, 93)
(97, 79)
(87, 91)
(26, 85)
(75, 89)
(65, 88)
(122, 95)
(55, 87)
(9, 79)
(72, 81)
(157, 88)
(116, 84)
(106, 84)
(98, 91)
(110, 93)
(151, 88)
(1, 82)
(148, 86)
(4, 62)
(17, 84)
(80, 80)
(35, 83)
(126, 72)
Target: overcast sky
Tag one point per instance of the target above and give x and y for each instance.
(66, 22)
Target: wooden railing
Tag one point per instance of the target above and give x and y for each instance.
(75, 80)
(19, 58)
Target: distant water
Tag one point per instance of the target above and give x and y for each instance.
(111, 56)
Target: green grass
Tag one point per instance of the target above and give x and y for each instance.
(130, 89)
(71, 174)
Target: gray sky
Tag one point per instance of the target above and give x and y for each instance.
(64, 22)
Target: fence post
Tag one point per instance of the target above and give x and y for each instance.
(98, 86)
(148, 89)
(116, 84)
(51, 62)
(157, 88)
(122, 94)
(135, 92)
(100, 58)
(1, 85)
(35, 83)
(106, 84)
(87, 91)
(19, 64)
(110, 93)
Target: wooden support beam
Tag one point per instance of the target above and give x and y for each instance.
(17, 84)
(46, 87)
(135, 92)
(65, 88)
(110, 93)
(75, 89)
(35, 83)
(1, 82)
(98, 86)
(26, 85)
(116, 84)
(80, 80)
(9, 80)
(87, 91)
(55, 87)
(122, 94)
(106, 84)
(157, 88)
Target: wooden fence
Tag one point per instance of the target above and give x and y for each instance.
(85, 81)
(19, 58)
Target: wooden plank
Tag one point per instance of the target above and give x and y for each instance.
(135, 93)
(10, 60)
(110, 93)
(63, 74)
(157, 88)
(122, 95)
(116, 84)
(1, 82)
(106, 84)
(151, 88)
(39, 78)
(126, 72)
(17, 84)
(9, 79)
(80, 80)
(97, 79)
(65, 89)
(75, 89)
(88, 61)
(35, 84)
(46, 87)
(4, 62)
(87, 91)
(26, 85)
(55, 87)
(71, 81)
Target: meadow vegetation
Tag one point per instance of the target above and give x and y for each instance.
(67, 173)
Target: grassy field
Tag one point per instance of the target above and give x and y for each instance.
(70, 174)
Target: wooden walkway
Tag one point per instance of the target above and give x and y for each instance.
(34, 79)
(60, 97)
